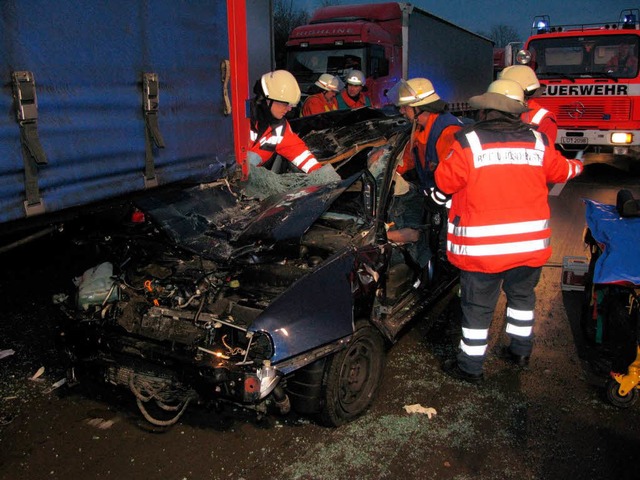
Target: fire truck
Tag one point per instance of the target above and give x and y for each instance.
(592, 85)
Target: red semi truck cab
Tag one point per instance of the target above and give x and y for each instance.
(338, 38)
(388, 42)
(594, 94)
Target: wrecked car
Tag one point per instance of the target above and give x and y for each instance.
(287, 299)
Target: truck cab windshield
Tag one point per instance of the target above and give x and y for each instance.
(307, 64)
(602, 56)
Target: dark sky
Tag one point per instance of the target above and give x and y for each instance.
(481, 15)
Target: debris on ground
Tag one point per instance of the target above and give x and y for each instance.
(38, 374)
(6, 353)
(417, 408)
(58, 384)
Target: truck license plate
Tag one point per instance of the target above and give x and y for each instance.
(574, 140)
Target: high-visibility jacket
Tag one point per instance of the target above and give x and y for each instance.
(280, 139)
(430, 143)
(499, 216)
(318, 104)
(345, 102)
(541, 118)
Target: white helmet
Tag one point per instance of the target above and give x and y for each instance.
(503, 95)
(509, 88)
(355, 77)
(281, 86)
(328, 82)
(413, 92)
(522, 74)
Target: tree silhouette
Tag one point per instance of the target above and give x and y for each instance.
(502, 35)
(285, 18)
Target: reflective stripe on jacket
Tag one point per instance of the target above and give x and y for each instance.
(541, 118)
(499, 217)
(283, 141)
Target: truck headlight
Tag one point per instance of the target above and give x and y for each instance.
(621, 138)
(523, 57)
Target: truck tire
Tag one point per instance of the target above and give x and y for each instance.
(352, 377)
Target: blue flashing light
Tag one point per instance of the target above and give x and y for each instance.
(541, 23)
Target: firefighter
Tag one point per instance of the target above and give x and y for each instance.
(325, 99)
(624, 63)
(432, 135)
(353, 96)
(498, 230)
(277, 93)
(434, 129)
(538, 117)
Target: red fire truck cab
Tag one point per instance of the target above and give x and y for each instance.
(592, 84)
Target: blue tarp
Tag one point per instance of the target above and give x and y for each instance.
(620, 242)
(88, 58)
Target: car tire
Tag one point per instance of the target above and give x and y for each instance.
(352, 377)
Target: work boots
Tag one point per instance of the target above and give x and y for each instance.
(505, 353)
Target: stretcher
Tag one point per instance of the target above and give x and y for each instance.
(611, 315)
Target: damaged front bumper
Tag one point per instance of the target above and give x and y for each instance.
(170, 357)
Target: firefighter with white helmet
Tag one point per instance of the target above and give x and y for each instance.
(353, 96)
(276, 93)
(325, 99)
(536, 116)
(434, 128)
(498, 233)
(431, 138)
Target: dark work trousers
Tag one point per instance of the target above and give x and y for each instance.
(479, 295)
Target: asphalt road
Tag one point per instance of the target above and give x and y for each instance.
(548, 421)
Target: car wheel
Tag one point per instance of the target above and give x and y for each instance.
(352, 377)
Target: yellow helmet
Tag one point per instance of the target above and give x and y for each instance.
(328, 82)
(522, 74)
(281, 86)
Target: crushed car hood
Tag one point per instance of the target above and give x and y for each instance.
(215, 224)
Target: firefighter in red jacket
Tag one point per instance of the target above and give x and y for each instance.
(353, 95)
(536, 116)
(625, 63)
(434, 129)
(271, 135)
(498, 234)
(325, 99)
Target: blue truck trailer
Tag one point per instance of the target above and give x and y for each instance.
(106, 99)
